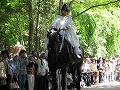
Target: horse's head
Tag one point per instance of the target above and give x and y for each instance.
(54, 39)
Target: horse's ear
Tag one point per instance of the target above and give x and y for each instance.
(48, 30)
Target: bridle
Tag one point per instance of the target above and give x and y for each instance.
(54, 39)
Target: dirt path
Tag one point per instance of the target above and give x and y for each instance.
(104, 86)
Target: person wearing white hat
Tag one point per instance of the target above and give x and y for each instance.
(15, 64)
(43, 69)
(13, 69)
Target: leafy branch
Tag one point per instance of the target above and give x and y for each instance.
(95, 7)
(70, 4)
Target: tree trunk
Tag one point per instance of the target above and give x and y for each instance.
(37, 26)
(5, 46)
(60, 5)
(31, 26)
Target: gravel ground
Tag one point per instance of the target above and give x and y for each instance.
(104, 86)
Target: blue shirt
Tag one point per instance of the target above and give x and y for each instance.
(23, 65)
(15, 66)
(9, 68)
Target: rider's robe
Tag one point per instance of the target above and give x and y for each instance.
(65, 22)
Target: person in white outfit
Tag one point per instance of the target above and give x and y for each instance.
(86, 71)
(42, 65)
(64, 23)
(43, 69)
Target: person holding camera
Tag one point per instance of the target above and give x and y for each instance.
(23, 69)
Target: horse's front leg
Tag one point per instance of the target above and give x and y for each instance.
(54, 83)
(63, 81)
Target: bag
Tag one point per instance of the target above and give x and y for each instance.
(14, 85)
(2, 77)
(2, 73)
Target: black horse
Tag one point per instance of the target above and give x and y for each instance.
(60, 57)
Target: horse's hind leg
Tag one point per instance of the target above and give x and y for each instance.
(79, 76)
(63, 81)
(54, 83)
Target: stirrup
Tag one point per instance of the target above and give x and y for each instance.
(78, 56)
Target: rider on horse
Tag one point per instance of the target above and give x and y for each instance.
(64, 23)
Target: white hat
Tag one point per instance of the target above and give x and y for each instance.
(42, 53)
(14, 55)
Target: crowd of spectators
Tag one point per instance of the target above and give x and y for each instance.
(100, 70)
(29, 71)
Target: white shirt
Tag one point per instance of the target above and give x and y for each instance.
(42, 67)
(85, 67)
(66, 23)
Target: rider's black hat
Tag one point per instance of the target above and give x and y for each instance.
(65, 8)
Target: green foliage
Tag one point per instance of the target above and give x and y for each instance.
(13, 24)
(47, 13)
(98, 27)
(87, 26)
(106, 32)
